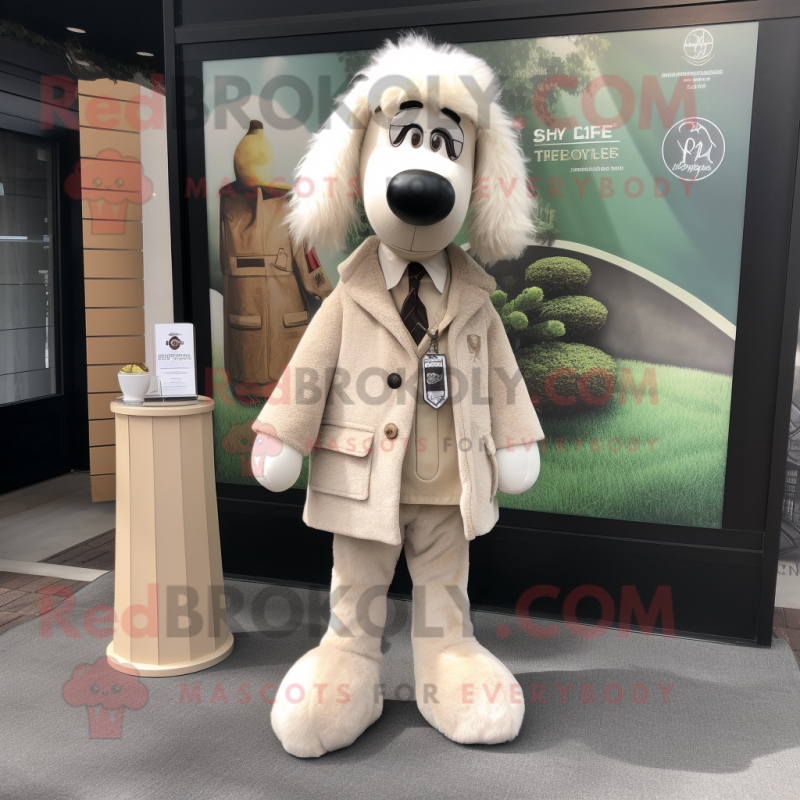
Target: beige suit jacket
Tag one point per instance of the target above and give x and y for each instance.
(333, 400)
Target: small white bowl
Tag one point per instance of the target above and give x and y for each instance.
(134, 385)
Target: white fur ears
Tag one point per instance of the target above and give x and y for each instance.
(322, 206)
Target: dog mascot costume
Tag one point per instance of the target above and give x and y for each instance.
(405, 391)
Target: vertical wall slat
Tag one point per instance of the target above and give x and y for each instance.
(110, 154)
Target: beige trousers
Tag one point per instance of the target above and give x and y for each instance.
(437, 554)
(333, 692)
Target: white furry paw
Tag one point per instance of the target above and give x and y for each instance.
(327, 700)
(468, 694)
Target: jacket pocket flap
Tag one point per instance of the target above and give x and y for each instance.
(294, 319)
(248, 262)
(353, 439)
(247, 322)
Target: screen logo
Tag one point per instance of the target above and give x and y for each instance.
(697, 46)
(693, 148)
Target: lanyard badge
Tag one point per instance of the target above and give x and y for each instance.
(434, 374)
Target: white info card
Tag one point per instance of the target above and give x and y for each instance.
(175, 362)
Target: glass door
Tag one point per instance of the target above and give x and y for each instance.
(29, 347)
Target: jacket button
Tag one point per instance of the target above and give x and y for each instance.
(394, 381)
(390, 431)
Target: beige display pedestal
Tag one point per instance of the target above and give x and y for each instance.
(167, 543)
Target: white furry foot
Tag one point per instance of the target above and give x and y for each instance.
(327, 700)
(468, 694)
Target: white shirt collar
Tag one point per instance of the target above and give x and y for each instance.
(394, 266)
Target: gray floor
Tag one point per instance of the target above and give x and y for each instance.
(40, 520)
(730, 728)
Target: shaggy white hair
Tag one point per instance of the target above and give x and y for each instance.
(322, 206)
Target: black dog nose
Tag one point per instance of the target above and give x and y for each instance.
(419, 197)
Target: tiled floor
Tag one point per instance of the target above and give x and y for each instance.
(22, 597)
(39, 520)
(96, 553)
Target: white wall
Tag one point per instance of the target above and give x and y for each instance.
(155, 223)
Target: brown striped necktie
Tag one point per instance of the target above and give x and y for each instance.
(413, 312)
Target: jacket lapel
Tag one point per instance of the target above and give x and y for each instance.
(364, 281)
(468, 289)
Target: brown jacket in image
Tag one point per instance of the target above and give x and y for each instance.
(264, 279)
(333, 400)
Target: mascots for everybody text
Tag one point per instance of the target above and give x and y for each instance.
(405, 391)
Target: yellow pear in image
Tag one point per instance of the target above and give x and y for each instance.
(254, 158)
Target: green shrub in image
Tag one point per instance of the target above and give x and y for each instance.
(558, 275)
(545, 334)
(546, 232)
(567, 362)
(580, 315)
(528, 301)
(516, 320)
(544, 223)
(529, 318)
(522, 316)
(499, 299)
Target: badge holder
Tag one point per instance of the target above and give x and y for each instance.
(435, 390)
